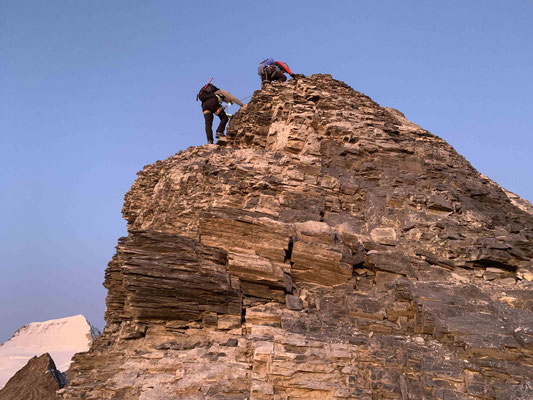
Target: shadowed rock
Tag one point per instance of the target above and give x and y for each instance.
(37, 380)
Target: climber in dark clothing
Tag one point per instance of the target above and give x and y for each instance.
(270, 70)
(209, 107)
(273, 73)
(212, 98)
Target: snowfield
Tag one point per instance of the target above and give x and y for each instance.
(62, 338)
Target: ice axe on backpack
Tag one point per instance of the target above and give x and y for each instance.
(206, 85)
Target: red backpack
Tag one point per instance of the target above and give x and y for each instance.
(284, 67)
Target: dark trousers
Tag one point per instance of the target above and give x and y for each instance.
(210, 107)
(273, 75)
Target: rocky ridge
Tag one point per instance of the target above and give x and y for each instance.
(327, 249)
(37, 380)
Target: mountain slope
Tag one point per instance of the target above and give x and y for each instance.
(327, 249)
(37, 380)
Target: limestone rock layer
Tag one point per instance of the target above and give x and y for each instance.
(328, 248)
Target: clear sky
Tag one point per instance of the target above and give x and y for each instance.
(91, 91)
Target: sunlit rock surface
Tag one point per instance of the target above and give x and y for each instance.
(327, 249)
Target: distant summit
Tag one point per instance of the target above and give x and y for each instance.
(61, 338)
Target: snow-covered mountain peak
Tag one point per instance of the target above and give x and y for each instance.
(62, 338)
(59, 333)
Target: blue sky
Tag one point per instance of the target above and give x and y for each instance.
(91, 91)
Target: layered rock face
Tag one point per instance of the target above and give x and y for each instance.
(327, 249)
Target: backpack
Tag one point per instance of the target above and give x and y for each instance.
(284, 67)
(263, 64)
(206, 92)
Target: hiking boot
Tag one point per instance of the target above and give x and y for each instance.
(209, 141)
(220, 134)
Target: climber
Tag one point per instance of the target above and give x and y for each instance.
(270, 70)
(212, 98)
